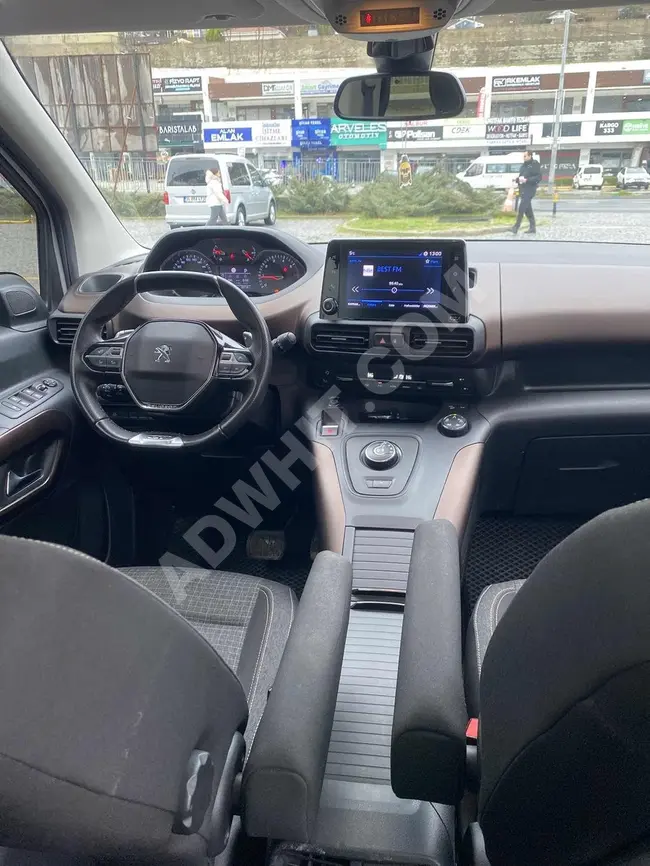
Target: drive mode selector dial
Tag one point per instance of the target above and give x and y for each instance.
(381, 454)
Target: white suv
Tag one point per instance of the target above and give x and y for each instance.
(633, 178)
(249, 196)
(589, 177)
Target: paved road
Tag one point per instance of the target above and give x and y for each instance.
(606, 203)
(607, 219)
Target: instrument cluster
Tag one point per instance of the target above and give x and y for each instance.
(257, 272)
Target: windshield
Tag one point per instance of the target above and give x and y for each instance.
(149, 113)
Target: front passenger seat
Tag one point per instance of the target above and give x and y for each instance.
(564, 701)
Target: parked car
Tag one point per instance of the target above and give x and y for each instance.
(633, 178)
(249, 196)
(589, 177)
(271, 176)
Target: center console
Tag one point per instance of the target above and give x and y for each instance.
(398, 442)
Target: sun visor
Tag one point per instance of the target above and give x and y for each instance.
(27, 17)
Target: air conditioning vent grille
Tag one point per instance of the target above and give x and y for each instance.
(352, 340)
(455, 343)
(65, 330)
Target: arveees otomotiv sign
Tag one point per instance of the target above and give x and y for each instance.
(358, 132)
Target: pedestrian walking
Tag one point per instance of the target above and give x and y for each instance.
(530, 174)
(215, 199)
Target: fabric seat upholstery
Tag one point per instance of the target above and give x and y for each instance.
(246, 619)
(493, 602)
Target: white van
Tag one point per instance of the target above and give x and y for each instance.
(249, 195)
(493, 172)
(589, 177)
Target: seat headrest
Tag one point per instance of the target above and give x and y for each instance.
(105, 694)
(565, 702)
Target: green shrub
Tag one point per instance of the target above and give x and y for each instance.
(136, 205)
(13, 206)
(319, 195)
(431, 194)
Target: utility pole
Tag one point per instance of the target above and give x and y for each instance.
(559, 103)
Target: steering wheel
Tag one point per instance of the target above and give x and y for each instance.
(166, 364)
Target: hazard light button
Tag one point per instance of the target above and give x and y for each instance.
(388, 339)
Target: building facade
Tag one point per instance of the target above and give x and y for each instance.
(284, 119)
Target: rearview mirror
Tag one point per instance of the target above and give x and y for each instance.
(400, 97)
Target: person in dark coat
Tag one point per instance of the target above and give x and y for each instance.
(530, 174)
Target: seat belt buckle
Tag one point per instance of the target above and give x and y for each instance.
(471, 732)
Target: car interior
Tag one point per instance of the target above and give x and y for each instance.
(301, 564)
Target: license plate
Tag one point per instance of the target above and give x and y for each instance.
(194, 199)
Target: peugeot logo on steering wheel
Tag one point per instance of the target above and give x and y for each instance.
(162, 353)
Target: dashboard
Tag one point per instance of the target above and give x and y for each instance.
(259, 267)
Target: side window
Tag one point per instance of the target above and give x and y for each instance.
(18, 236)
(238, 174)
(256, 177)
(474, 170)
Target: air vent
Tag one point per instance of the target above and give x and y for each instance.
(338, 338)
(473, 277)
(454, 343)
(65, 329)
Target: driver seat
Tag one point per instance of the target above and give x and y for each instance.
(121, 730)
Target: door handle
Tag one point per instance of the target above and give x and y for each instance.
(17, 482)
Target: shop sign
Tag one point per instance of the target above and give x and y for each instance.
(608, 127)
(404, 133)
(310, 132)
(180, 84)
(277, 88)
(640, 126)
(516, 82)
(222, 134)
(361, 132)
(271, 133)
(319, 88)
(464, 130)
(179, 130)
(507, 130)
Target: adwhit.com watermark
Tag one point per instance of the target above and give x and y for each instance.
(250, 501)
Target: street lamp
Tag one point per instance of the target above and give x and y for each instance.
(559, 102)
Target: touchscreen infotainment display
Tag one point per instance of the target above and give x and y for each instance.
(399, 281)
(386, 280)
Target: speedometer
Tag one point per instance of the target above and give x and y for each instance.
(188, 260)
(277, 271)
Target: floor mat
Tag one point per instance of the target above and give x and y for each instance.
(292, 569)
(509, 548)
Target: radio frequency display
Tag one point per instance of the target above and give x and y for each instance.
(399, 281)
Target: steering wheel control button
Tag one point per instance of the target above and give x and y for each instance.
(453, 425)
(168, 363)
(329, 306)
(381, 455)
(234, 365)
(106, 357)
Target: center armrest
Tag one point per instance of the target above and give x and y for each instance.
(284, 774)
(428, 740)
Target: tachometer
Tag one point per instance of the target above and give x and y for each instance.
(188, 260)
(277, 271)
